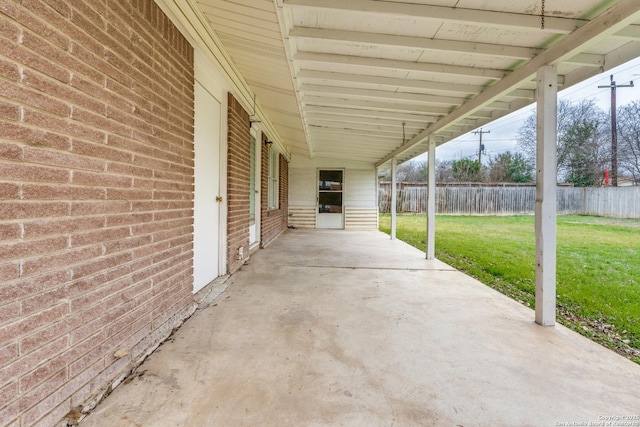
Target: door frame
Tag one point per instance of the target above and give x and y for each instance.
(330, 219)
(256, 133)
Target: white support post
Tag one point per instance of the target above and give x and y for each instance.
(394, 198)
(431, 200)
(546, 182)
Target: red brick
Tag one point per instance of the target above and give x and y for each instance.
(10, 151)
(9, 110)
(8, 354)
(13, 291)
(54, 331)
(9, 392)
(127, 244)
(36, 395)
(56, 294)
(32, 248)
(131, 170)
(98, 264)
(9, 69)
(9, 271)
(9, 191)
(9, 30)
(80, 208)
(47, 414)
(24, 172)
(42, 373)
(99, 237)
(62, 158)
(28, 135)
(60, 192)
(122, 120)
(21, 210)
(60, 260)
(9, 312)
(31, 323)
(128, 194)
(101, 151)
(27, 362)
(61, 226)
(101, 179)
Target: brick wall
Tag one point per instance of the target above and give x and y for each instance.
(96, 181)
(238, 183)
(273, 222)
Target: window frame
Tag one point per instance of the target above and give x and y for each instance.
(273, 193)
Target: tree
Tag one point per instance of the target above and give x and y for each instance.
(629, 139)
(443, 171)
(583, 147)
(508, 167)
(466, 170)
(409, 171)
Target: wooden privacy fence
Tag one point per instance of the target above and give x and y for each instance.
(472, 199)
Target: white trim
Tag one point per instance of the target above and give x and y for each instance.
(224, 121)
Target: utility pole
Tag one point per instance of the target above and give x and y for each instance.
(481, 146)
(614, 131)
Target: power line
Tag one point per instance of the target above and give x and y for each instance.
(481, 146)
(614, 131)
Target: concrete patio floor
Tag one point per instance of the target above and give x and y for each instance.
(339, 328)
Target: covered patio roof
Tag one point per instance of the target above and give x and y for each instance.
(339, 78)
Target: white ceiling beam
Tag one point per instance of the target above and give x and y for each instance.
(374, 132)
(360, 61)
(587, 59)
(367, 128)
(529, 94)
(631, 32)
(377, 94)
(471, 48)
(374, 105)
(364, 143)
(314, 118)
(552, 24)
(354, 112)
(391, 81)
(617, 17)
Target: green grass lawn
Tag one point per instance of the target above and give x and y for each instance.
(598, 268)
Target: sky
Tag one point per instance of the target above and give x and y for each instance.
(503, 132)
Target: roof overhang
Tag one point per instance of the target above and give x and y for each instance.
(371, 80)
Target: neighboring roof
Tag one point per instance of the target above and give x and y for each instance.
(338, 78)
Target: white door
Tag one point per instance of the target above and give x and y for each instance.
(206, 221)
(329, 213)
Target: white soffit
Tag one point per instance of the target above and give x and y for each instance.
(339, 78)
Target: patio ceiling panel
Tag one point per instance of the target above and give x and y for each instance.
(339, 78)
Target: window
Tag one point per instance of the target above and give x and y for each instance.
(274, 172)
(330, 191)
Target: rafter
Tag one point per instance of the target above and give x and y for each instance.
(337, 118)
(383, 114)
(552, 24)
(377, 94)
(391, 81)
(337, 101)
(425, 67)
(471, 48)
